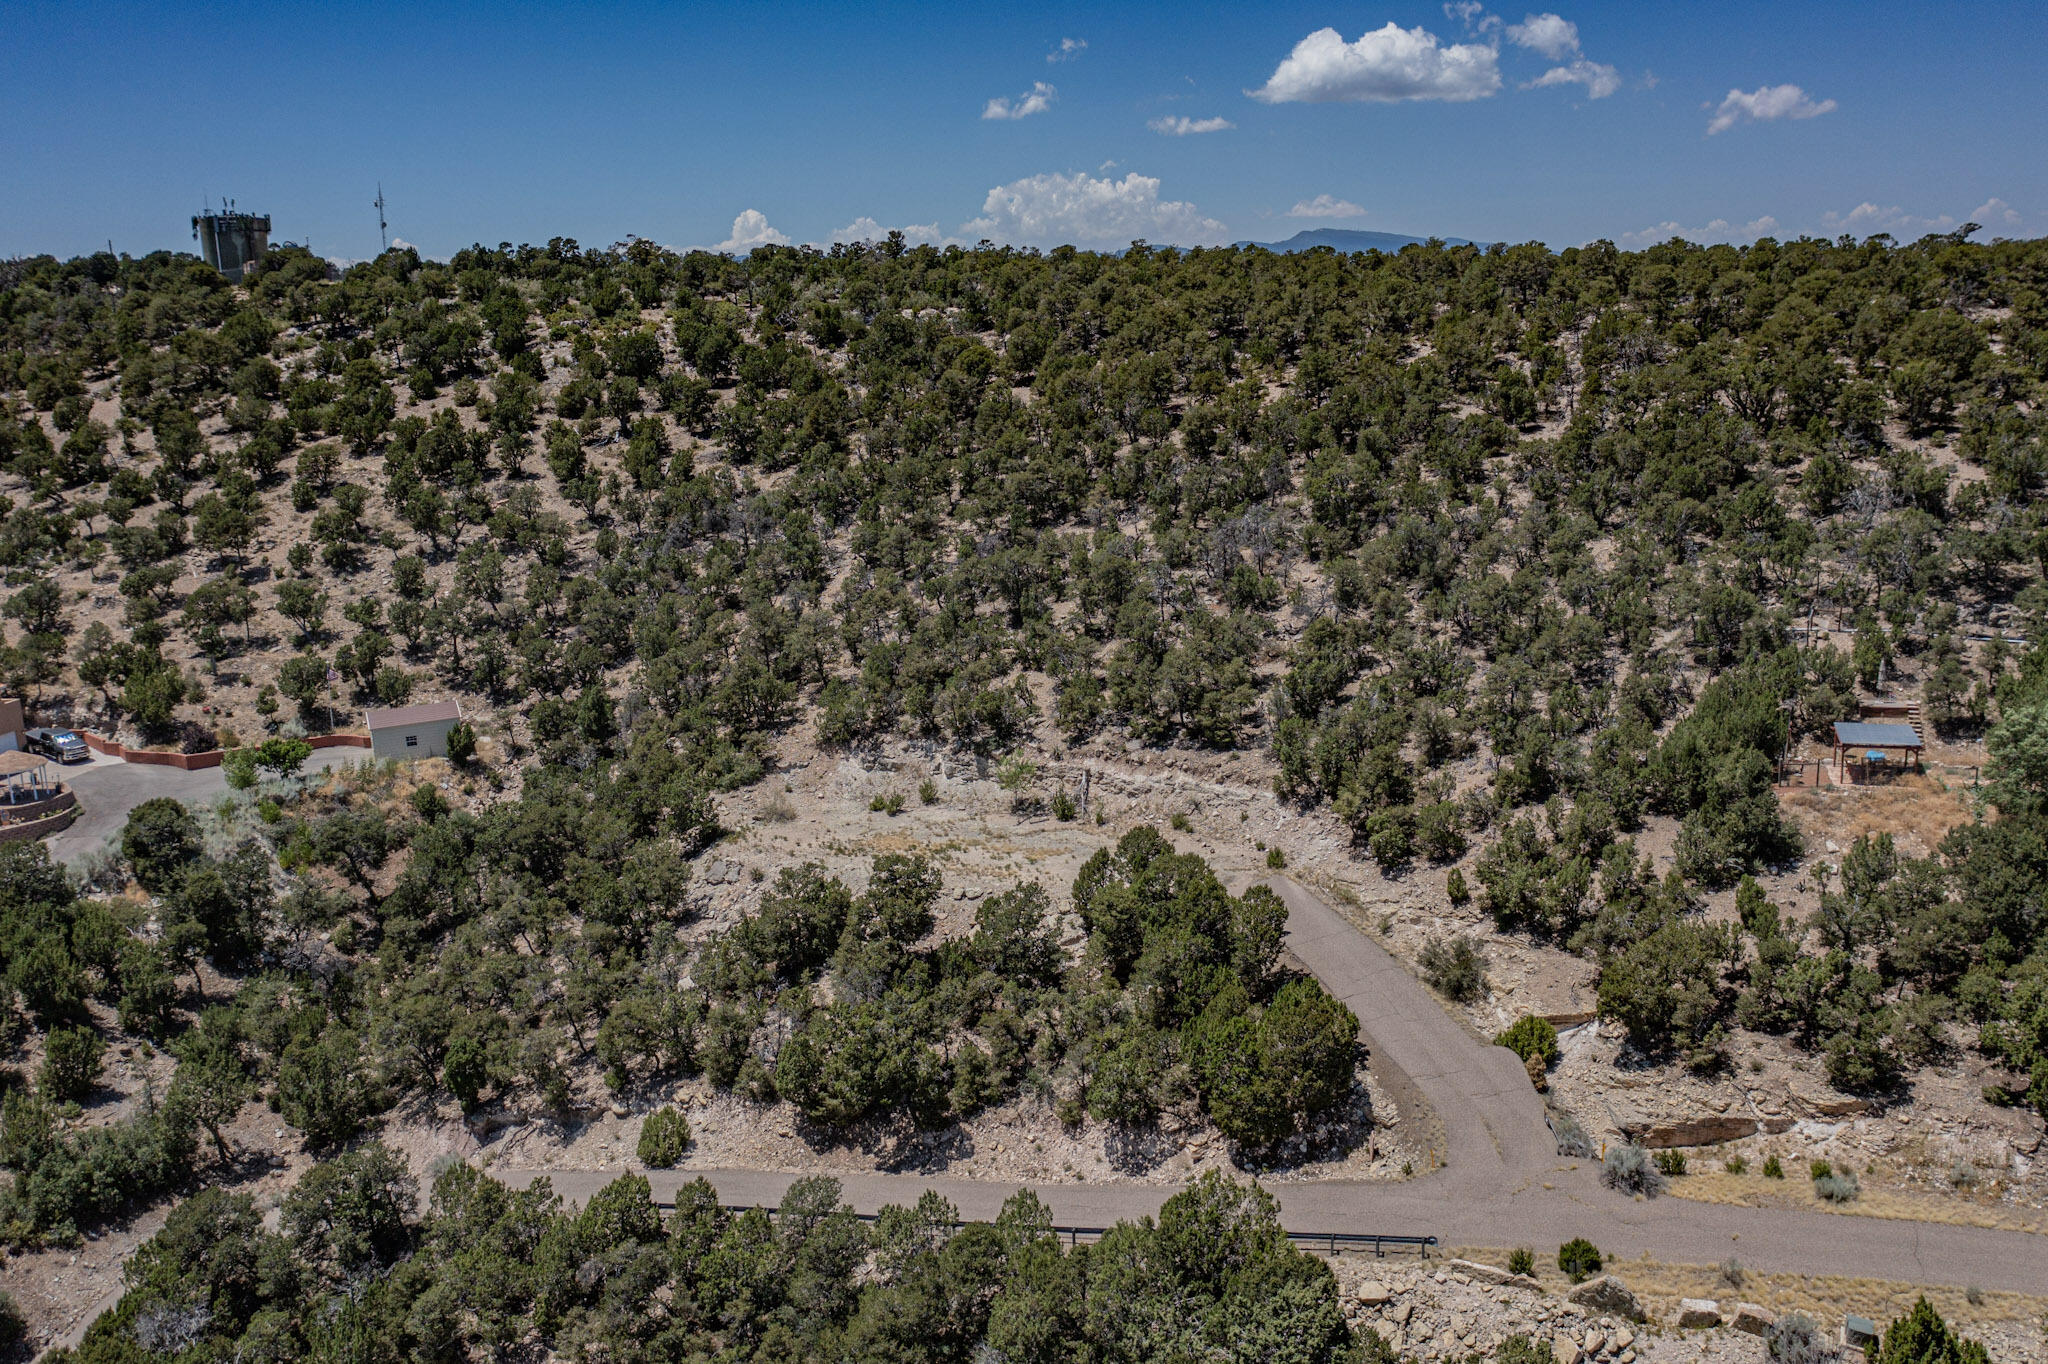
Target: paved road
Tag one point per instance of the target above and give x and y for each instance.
(109, 788)
(1501, 1185)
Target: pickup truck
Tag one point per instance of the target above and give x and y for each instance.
(60, 744)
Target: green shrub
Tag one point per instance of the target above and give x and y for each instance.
(1530, 1036)
(1737, 1165)
(1522, 1261)
(1922, 1337)
(1796, 1338)
(1180, 822)
(1579, 1259)
(160, 840)
(1275, 858)
(664, 1137)
(320, 1088)
(1063, 808)
(1671, 1163)
(1819, 1169)
(1453, 968)
(64, 1181)
(1839, 1187)
(240, 768)
(1455, 888)
(71, 1063)
(1772, 1168)
(1522, 1350)
(13, 1322)
(461, 743)
(928, 791)
(1628, 1169)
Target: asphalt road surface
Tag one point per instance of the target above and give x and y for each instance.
(109, 788)
(1501, 1183)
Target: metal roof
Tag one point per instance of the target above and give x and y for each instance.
(1861, 734)
(398, 717)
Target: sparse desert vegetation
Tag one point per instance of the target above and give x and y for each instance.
(1495, 586)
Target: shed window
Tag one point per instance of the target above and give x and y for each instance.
(412, 741)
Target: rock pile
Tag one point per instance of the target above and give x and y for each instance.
(1451, 1310)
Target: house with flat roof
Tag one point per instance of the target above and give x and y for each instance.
(413, 731)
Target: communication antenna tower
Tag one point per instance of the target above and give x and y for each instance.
(383, 229)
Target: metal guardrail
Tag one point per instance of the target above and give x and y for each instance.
(1315, 1242)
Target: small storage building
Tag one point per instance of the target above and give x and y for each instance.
(13, 737)
(413, 731)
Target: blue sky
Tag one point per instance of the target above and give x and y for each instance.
(730, 124)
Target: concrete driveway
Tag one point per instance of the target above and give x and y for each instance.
(108, 788)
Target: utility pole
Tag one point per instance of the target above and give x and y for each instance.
(383, 229)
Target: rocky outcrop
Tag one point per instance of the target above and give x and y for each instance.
(1610, 1295)
(1696, 1132)
(1698, 1313)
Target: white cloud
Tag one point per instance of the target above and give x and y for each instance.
(866, 229)
(1185, 126)
(1325, 206)
(1766, 104)
(401, 244)
(1068, 49)
(1036, 100)
(1600, 79)
(1867, 219)
(750, 230)
(1080, 210)
(1555, 37)
(1713, 233)
(1385, 65)
(1995, 213)
(1472, 15)
(1558, 39)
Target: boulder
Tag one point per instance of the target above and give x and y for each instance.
(1373, 1293)
(1753, 1319)
(1698, 1312)
(1624, 1338)
(1564, 1350)
(1610, 1295)
(1480, 1273)
(1595, 1342)
(1858, 1332)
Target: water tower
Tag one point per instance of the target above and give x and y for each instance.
(231, 241)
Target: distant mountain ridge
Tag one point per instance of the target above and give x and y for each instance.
(1348, 239)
